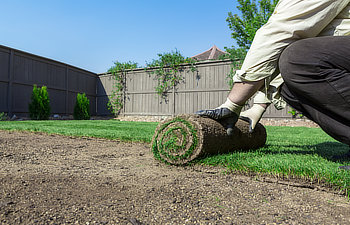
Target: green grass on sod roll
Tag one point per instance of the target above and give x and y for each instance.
(294, 152)
(168, 148)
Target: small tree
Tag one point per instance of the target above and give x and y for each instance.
(244, 28)
(82, 108)
(253, 17)
(39, 108)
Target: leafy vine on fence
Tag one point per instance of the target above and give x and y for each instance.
(295, 114)
(167, 69)
(119, 71)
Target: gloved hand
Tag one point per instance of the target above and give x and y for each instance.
(226, 117)
(226, 114)
(229, 123)
(217, 114)
(253, 116)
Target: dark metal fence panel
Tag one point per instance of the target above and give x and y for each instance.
(104, 86)
(19, 71)
(205, 88)
(4, 78)
(80, 81)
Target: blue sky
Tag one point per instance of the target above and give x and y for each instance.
(92, 34)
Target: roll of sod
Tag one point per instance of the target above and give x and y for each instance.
(187, 137)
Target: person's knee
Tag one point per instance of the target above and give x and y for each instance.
(291, 60)
(297, 59)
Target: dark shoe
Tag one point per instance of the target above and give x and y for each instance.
(217, 114)
(344, 167)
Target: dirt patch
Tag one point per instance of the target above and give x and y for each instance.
(51, 179)
(289, 122)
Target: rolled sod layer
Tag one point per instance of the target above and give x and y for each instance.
(187, 137)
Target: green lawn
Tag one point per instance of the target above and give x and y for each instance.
(294, 152)
(110, 129)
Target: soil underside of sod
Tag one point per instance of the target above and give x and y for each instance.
(56, 179)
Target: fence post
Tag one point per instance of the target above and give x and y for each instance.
(67, 93)
(174, 104)
(124, 91)
(9, 90)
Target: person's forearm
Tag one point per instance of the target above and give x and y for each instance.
(242, 91)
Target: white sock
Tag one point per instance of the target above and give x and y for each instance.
(231, 106)
(254, 114)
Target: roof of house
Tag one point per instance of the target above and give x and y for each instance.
(213, 53)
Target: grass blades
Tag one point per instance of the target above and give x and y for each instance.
(291, 152)
(294, 152)
(109, 129)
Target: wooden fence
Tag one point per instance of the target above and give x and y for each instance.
(20, 70)
(203, 89)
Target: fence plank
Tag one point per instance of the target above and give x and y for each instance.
(10, 83)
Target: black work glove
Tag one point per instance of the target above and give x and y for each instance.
(223, 115)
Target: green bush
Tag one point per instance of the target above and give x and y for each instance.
(3, 116)
(82, 108)
(296, 114)
(39, 108)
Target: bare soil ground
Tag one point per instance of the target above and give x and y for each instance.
(51, 179)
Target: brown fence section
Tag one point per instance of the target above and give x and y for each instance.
(205, 88)
(19, 71)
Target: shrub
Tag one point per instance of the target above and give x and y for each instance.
(82, 108)
(39, 108)
(296, 114)
(3, 116)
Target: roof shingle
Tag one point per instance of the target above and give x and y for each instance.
(213, 53)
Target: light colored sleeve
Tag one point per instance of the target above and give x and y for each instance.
(292, 20)
(271, 94)
(340, 26)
